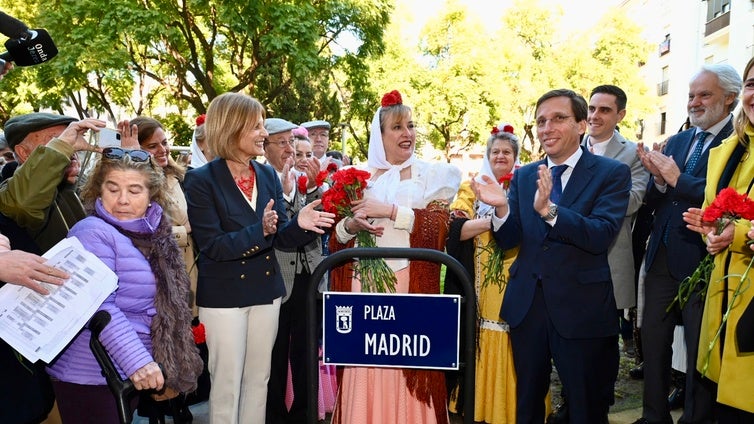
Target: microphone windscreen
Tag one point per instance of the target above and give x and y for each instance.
(38, 47)
(12, 27)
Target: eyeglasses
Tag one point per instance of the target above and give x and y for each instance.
(9, 156)
(555, 120)
(319, 134)
(282, 144)
(118, 153)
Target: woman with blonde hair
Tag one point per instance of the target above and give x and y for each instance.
(237, 213)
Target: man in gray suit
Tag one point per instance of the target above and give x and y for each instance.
(296, 266)
(607, 108)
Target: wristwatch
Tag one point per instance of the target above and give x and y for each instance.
(552, 212)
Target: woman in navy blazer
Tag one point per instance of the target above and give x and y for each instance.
(237, 213)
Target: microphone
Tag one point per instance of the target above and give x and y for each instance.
(26, 47)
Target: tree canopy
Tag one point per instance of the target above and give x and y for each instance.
(329, 59)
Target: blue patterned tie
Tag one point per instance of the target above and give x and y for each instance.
(557, 185)
(697, 153)
(687, 169)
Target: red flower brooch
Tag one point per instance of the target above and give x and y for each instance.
(200, 336)
(392, 98)
(200, 119)
(301, 183)
(505, 180)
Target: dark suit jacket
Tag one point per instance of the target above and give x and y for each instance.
(685, 247)
(570, 258)
(237, 264)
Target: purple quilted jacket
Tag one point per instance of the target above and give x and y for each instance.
(131, 305)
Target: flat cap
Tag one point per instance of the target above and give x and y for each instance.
(277, 125)
(316, 124)
(18, 127)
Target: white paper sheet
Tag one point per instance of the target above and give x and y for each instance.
(39, 326)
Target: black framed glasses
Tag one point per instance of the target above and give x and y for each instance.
(118, 153)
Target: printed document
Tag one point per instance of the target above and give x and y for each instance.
(40, 326)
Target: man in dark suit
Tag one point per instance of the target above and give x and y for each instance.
(677, 183)
(564, 213)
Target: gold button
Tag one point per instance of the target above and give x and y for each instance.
(243, 262)
(267, 273)
(267, 257)
(243, 276)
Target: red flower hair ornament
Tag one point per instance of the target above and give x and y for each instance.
(392, 98)
(200, 119)
(507, 128)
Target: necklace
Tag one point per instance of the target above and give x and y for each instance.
(246, 184)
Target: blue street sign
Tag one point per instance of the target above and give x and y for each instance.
(391, 330)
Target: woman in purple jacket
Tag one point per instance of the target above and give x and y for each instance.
(151, 319)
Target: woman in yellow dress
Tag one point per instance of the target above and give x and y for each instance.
(470, 241)
(729, 361)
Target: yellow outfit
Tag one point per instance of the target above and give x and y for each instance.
(731, 370)
(495, 389)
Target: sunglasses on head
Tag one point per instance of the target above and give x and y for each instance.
(118, 153)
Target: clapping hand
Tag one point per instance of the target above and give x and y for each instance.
(269, 219)
(313, 220)
(490, 192)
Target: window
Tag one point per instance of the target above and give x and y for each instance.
(663, 122)
(662, 87)
(717, 8)
(665, 45)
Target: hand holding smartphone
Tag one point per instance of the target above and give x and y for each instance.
(107, 137)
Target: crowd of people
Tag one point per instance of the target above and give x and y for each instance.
(557, 250)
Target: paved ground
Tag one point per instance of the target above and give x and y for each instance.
(201, 416)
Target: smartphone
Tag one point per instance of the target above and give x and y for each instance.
(107, 137)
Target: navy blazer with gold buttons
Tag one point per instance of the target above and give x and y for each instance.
(236, 263)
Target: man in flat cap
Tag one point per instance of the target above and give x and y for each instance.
(296, 266)
(40, 195)
(30, 215)
(319, 134)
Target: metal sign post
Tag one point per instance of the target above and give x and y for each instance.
(376, 311)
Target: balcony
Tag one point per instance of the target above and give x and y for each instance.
(717, 24)
(662, 88)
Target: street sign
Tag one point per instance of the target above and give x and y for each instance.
(391, 330)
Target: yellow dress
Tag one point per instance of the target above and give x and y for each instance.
(731, 370)
(495, 388)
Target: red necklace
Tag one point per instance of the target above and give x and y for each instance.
(246, 184)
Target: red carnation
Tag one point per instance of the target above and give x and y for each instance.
(494, 131)
(321, 177)
(505, 180)
(200, 336)
(200, 119)
(508, 128)
(332, 167)
(392, 98)
(301, 183)
(730, 205)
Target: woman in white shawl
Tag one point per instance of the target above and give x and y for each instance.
(405, 204)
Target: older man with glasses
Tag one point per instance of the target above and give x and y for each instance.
(296, 266)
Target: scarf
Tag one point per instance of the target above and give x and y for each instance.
(197, 156)
(172, 340)
(386, 185)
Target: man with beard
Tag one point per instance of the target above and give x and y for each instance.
(676, 184)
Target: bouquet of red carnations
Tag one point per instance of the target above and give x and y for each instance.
(727, 207)
(347, 185)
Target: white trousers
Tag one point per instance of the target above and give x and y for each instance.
(240, 343)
